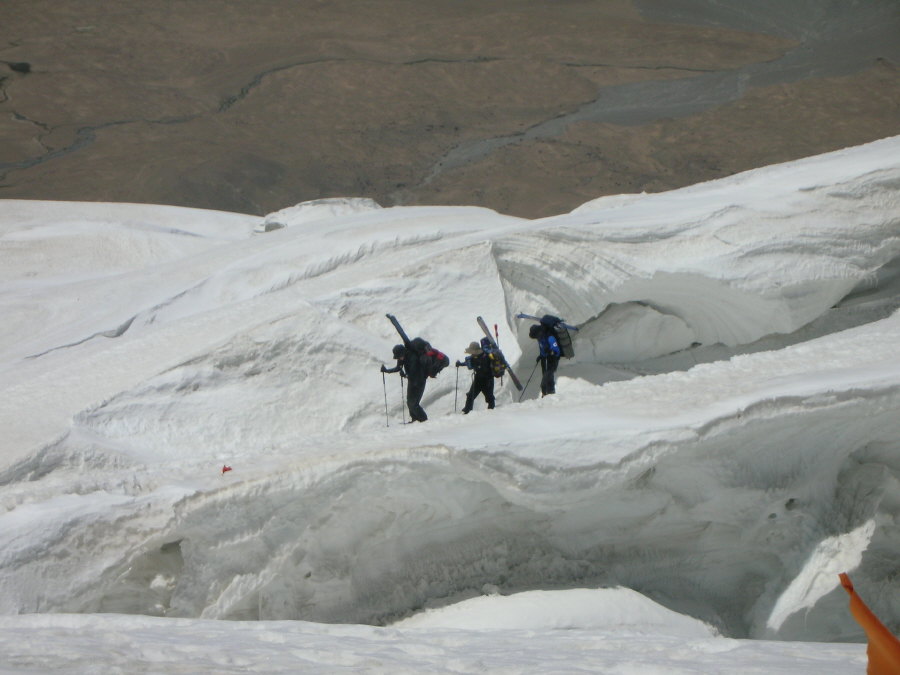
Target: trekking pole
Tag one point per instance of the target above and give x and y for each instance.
(402, 399)
(497, 340)
(456, 393)
(384, 384)
(529, 381)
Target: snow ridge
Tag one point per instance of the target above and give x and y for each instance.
(762, 307)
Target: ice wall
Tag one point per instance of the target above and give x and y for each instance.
(726, 263)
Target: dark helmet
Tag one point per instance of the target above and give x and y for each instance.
(535, 331)
(399, 351)
(485, 344)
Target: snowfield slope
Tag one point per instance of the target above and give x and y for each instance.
(725, 441)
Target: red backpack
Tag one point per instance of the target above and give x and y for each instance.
(436, 361)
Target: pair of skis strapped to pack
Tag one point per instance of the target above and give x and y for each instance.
(496, 348)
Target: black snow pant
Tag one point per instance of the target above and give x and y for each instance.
(415, 389)
(548, 379)
(481, 384)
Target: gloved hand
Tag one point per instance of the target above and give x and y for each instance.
(538, 359)
(459, 363)
(383, 369)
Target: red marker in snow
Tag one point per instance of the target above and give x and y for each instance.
(225, 468)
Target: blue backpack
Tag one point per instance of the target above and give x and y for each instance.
(498, 367)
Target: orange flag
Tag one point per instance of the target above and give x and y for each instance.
(884, 648)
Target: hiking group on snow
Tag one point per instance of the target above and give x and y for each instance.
(417, 360)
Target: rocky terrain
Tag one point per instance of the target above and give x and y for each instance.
(529, 107)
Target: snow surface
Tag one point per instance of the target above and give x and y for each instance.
(725, 442)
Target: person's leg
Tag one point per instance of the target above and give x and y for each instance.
(488, 390)
(550, 375)
(543, 376)
(414, 392)
(470, 397)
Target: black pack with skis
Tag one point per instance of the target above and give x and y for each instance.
(433, 360)
(558, 328)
